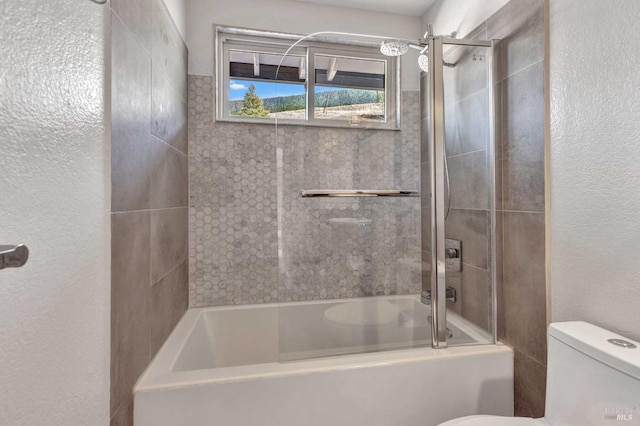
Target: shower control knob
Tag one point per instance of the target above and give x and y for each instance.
(452, 253)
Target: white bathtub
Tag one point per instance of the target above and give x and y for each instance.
(259, 365)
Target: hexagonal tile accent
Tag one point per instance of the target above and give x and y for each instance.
(326, 248)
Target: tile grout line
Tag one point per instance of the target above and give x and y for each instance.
(159, 139)
(112, 416)
(180, 262)
(472, 209)
(467, 153)
(474, 267)
(126, 25)
(175, 26)
(528, 355)
(183, 99)
(521, 211)
(458, 101)
(519, 71)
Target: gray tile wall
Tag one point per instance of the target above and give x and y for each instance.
(328, 248)
(520, 25)
(149, 217)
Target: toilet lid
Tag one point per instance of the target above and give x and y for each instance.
(494, 421)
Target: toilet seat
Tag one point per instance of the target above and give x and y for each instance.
(494, 421)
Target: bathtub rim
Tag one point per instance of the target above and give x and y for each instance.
(159, 374)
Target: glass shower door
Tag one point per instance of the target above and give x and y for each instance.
(459, 171)
(352, 260)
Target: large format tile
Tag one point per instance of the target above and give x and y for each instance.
(519, 25)
(469, 75)
(467, 124)
(469, 181)
(524, 286)
(452, 127)
(131, 172)
(523, 133)
(168, 111)
(168, 49)
(170, 176)
(169, 240)
(473, 288)
(472, 228)
(530, 381)
(473, 120)
(169, 301)
(135, 14)
(129, 302)
(130, 103)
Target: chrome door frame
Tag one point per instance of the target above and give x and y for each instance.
(435, 128)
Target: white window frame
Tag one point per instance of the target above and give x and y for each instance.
(227, 38)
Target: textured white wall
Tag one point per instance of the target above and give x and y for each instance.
(595, 163)
(462, 16)
(178, 11)
(54, 197)
(293, 17)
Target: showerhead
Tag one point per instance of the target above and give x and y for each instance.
(423, 62)
(394, 47)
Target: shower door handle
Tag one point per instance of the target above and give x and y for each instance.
(13, 256)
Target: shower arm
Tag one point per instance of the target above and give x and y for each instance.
(423, 43)
(429, 34)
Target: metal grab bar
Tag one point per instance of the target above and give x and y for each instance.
(13, 256)
(359, 193)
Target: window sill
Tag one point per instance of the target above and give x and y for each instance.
(335, 124)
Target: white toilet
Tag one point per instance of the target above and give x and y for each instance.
(593, 378)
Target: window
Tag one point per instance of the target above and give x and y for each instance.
(349, 85)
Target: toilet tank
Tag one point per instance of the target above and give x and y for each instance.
(591, 381)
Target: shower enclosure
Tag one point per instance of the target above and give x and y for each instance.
(374, 193)
(354, 202)
(385, 242)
